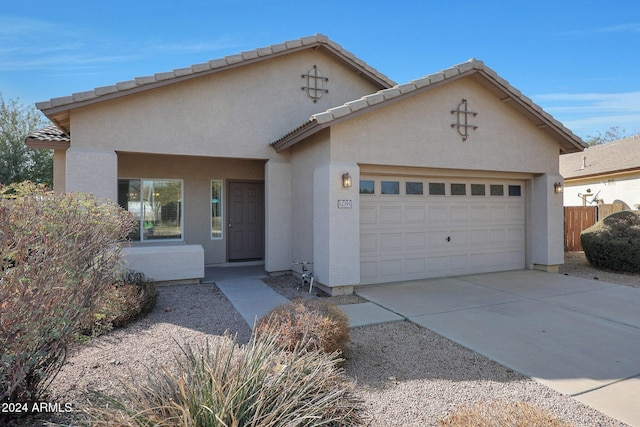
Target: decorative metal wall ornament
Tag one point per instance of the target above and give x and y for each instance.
(462, 119)
(315, 84)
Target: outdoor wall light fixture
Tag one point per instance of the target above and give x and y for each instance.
(558, 187)
(346, 180)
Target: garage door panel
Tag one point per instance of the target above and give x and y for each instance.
(458, 264)
(391, 269)
(390, 215)
(368, 215)
(438, 266)
(478, 262)
(514, 213)
(514, 259)
(369, 271)
(405, 237)
(438, 214)
(497, 237)
(479, 214)
(390, 242)
(459, 239)
(497, 213)
(415, 241)
(479, 238)
(515, 236)
(368, 243)
(415, 215)
(415, 266)
(437, 239)
(459, 214)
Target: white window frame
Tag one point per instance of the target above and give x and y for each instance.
(221, 198)
(141, 239)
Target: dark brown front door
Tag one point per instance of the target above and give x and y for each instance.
(245, 222)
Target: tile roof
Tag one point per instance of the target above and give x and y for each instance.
(331, 116)
(617, 156)
(148, 82)
(49, 137)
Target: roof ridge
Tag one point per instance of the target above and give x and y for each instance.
(472, 65)
(208, 67)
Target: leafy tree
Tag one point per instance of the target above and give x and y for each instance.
(17, 162)
(613, 134)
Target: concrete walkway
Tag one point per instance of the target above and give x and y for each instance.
(249, 295)
(579, 337)
(254, 299)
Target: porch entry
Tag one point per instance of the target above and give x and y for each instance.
(245, 221)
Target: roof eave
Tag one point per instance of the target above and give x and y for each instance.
(57, 109)
(602, 174)
(37, 144)
(569, 142)
(298, 135)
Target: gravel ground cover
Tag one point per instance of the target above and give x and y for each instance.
(406, 375)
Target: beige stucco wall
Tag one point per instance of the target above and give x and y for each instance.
(417, 132)
(234, 113)
(202, 125)
(196, 173)
(59, 164)
(91, 170)
(278, 215)
(414, 136)
(305, 158)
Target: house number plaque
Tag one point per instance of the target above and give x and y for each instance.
(344, 204)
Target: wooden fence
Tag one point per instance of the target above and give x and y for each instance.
(579, 218)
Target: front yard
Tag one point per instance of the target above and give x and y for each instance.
(405, 374)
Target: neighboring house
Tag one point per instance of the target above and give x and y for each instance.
(302, 152)
(603, 174)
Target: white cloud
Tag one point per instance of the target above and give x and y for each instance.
(28, 44)
(631, 28)
(589, 113)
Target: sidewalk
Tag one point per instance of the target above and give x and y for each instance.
(254, 299)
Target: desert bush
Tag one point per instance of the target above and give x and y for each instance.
(613, 243)
(307, 323)
(259, 384)
(501, 414)
(57, 254)
(132, 296)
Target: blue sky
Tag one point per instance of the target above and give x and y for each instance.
(579, 60)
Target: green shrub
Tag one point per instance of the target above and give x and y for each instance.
(257, 385)
(57, 254)
(501, 414)
(130, 297)
(613, 243)
(308, 323)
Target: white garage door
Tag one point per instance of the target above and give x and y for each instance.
(417, 228)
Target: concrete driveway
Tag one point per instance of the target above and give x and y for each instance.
(579, 337)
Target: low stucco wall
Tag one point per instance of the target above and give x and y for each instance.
(166, 263)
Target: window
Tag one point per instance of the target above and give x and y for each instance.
(515, 191)
(216, 209)
(497, 190)
(436, 188)
(156, 205)
(367, 187)
(413, 188)
(390, 187)
(458, 189)
(478, 189)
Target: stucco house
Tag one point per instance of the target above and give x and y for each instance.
(300, 151)
(606, 173)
